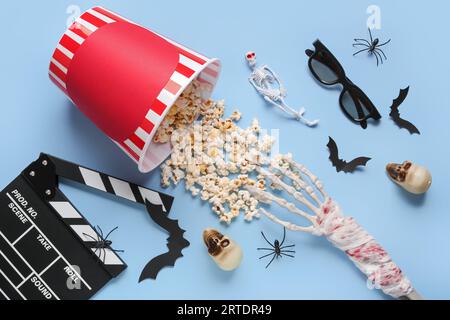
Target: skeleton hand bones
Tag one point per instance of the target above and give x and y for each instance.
(327, 220)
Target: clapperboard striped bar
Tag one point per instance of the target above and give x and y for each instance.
(48, 250)
(191, 65)
(110, 184)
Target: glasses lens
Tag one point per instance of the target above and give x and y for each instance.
(324, 72)
(359, 112)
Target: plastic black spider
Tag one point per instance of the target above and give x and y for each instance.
(102, 243)
(373, 47)
(277, 248)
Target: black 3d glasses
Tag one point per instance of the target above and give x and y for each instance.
(328, 71)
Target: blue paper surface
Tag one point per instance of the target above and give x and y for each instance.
(35, 116)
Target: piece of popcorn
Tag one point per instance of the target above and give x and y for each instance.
(195, 191)
(255, 126)
(225, 218)
(236, 115)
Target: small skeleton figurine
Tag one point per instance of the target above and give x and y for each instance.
(267, 83)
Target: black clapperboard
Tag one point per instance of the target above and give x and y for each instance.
(48, 250)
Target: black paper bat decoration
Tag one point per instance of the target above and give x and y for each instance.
(175, 243)
(395, 114)
(342, 165)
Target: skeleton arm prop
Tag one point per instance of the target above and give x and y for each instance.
(328, 220)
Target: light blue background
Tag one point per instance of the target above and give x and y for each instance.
(36, 117)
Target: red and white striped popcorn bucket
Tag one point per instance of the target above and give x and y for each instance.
(125, 78)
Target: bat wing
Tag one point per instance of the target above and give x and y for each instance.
(334, 155)
(401, 97)
(402, 123)
(395, 114)
(155, 265)
(342, 165)
(175, 243)
(352, 165)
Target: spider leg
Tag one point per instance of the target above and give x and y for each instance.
(270, 261)
(383, 44)
(292, 245)
(266, 255)
(267, 240)
(361, 44)
(287, 255)
(378, 55)
(284, 236)
(381, 58)
(117, 250)
(379, 50)
(371, 38)
(378, 62)
(364, 40)
(287, 251)
(95, 252)
(88, 235)
(109, 233)
(360, 51)
(101, 255)
(103, 250)
(100, 231)
(267, 249)
(99, 237)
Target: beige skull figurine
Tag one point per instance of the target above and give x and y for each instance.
(224, 251)
(411, 177)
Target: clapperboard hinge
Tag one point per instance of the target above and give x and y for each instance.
(44, 175)
(43, 178)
